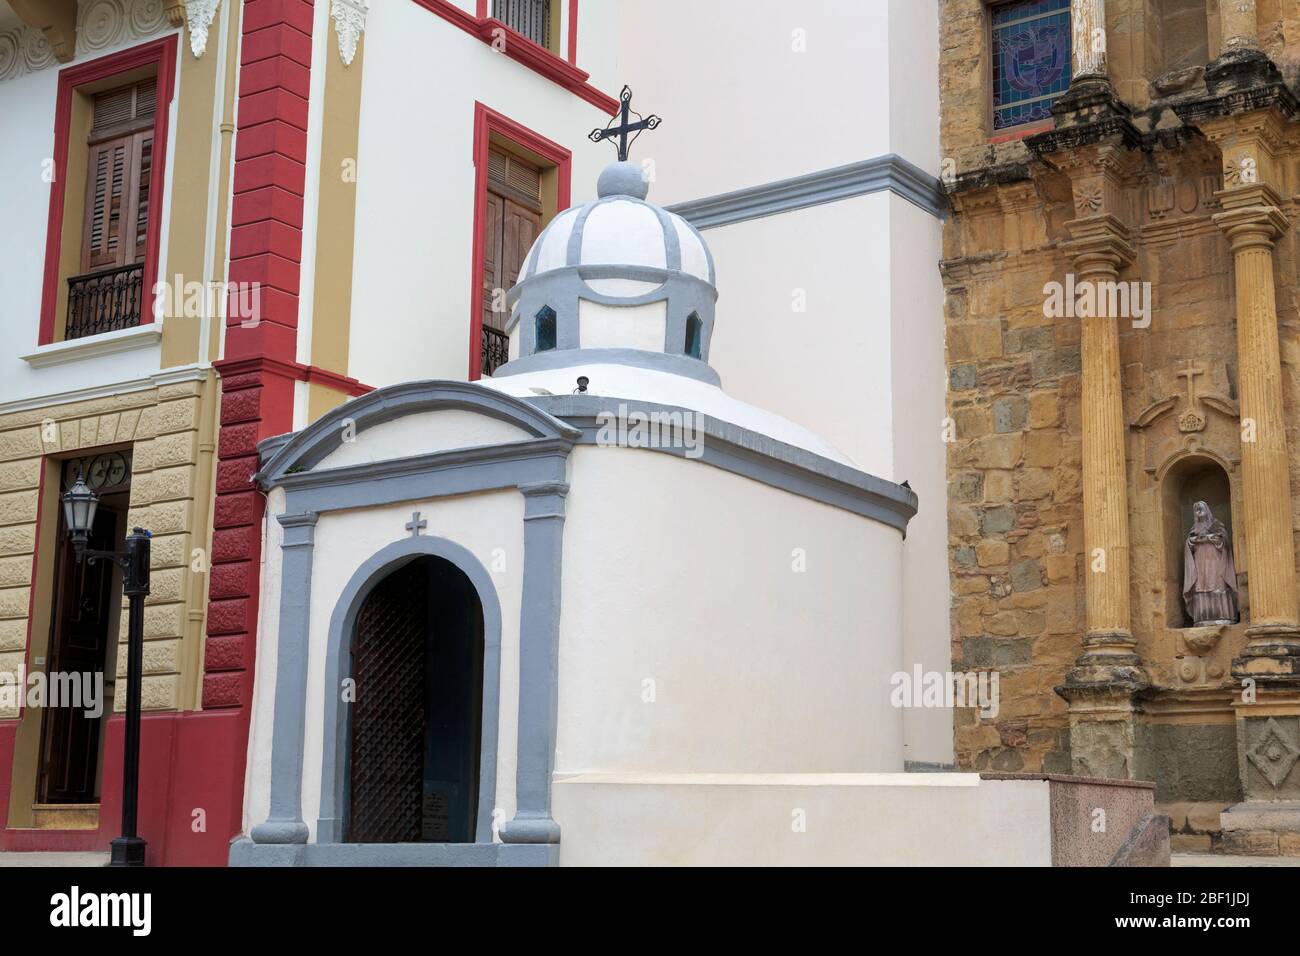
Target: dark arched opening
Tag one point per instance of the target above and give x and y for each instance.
(417, 663)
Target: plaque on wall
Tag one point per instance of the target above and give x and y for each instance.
(435, 816)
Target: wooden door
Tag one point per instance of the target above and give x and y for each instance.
(417, 660)
(79, 641)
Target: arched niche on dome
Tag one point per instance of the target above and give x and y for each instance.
(1189, 478)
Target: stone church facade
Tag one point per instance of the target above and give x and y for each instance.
(1151, 151)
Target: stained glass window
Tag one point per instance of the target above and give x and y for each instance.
(694, 327)
(544, 330)
(1031, 60)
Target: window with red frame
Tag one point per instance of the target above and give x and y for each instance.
(109, 293)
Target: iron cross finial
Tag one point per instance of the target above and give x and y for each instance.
(625, 125)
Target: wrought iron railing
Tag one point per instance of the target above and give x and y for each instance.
(532, 18)
(496, 349)
(105, 301)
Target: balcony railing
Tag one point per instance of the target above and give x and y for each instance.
(496, 349)
(532, 18)
(105, 301)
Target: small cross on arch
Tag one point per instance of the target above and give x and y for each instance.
(625, 126)
(416, 524)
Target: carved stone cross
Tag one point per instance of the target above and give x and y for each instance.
(416, 524)
(1192, 419)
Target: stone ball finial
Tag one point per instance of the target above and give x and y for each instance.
(622, 179)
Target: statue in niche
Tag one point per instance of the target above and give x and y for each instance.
(1209, 577)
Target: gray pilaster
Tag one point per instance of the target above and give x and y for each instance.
(539, 641)
(285, 823)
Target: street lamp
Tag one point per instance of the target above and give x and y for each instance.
(79, 506)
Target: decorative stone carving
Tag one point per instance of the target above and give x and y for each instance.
(23, 50)
(101, 24)
(349, 22)
(1273, 755)
(200, 14)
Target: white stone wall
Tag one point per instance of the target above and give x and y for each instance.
(681, 582)
(411, 290)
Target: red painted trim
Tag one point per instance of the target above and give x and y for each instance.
(161, 52)
(573, 32)
(1022, 132)
(296, 371)
(486, 122)
(519, 48)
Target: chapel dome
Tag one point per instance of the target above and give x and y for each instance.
(616, 280)
(620, 228)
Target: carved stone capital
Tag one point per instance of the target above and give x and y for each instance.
(1098, 244)
(1251, 216)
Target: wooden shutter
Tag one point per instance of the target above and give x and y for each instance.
(514, 219)
(107, 189)
(118, 176)
(492, 260)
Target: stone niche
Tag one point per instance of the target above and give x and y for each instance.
(1187, 445)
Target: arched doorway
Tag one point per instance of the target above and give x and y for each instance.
(417, 660)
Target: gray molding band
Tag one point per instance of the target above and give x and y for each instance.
(890, 172)
(637, 358)
(753, 455)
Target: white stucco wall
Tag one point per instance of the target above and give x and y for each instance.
(756, 90)
(682, 574)
(27, 107)
(917, 392)
(411, 288)
(803, 322)
(420, 434)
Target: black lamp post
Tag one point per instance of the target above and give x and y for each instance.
(79, 506)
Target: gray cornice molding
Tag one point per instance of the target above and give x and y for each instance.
(559, 421)
(284, 455)
(891, 172)
(754, 455)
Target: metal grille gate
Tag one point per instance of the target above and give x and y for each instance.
(532, 18)
(388, 718)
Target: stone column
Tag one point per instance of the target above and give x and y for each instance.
(1252, 222)
(1239, 23)
(1088, 46)
(1102, 684)
(1267, 673)
(1099, 249)
(1090, 100)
